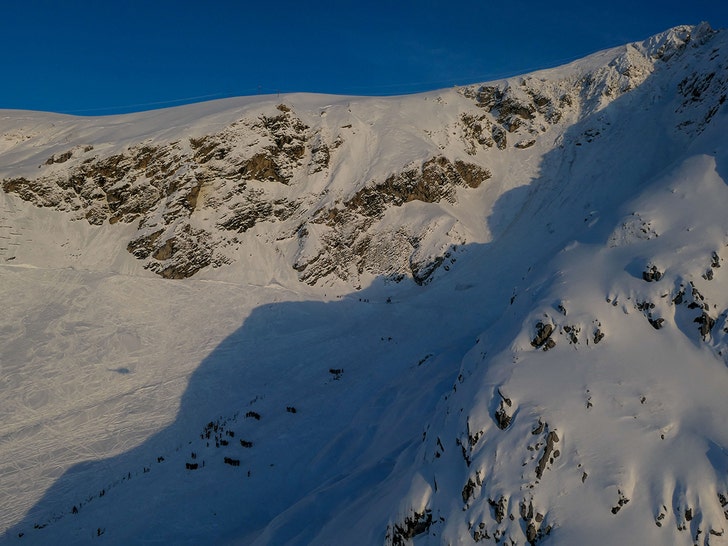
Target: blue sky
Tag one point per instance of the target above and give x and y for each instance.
(98, 57)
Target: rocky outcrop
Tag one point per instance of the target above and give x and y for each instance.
(549, 453)
(276, 160)
(347, 245)
(399, 534)
(543, 339)
(703, 93)
(162, 186)
(192, 198)
(117, 188)
(651, 274)
(436, 179)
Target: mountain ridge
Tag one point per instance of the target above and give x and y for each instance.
(245, 162)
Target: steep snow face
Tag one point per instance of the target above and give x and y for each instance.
(554, 374)
(590, 411)
(592, 408)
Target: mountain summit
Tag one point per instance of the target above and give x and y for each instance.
(489, 314)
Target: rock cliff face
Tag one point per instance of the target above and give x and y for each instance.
(252, 172)
(348, 243)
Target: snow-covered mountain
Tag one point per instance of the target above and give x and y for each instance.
(495, 313)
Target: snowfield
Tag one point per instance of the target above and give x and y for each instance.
(490, 314)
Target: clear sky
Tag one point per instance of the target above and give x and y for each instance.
(94, 57)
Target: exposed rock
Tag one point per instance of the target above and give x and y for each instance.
(499, 137)
(422, 271)
(246, 214)
(488, 97)
(160, 185)
(511, 107)
(546, 458)
(543, 335)
(348, 248)
(706, 324)
(470, 487)
(656, 323)
(499, 508)
(622, 501)
(182, 255)
(539, 428)
(502, 418)
(698, 299)
(476, 132)
(61, 158)
(434, 181)
(678, 299)
(523, 144)
(651, 274)
(526, 510)
(715, 260)
(399, 534)
(320, 156)
(572, 333)
(262, 166)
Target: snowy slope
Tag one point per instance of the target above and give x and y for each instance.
(212, 334)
